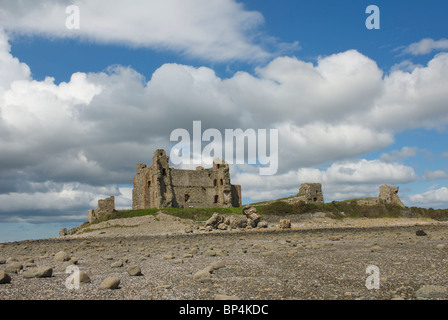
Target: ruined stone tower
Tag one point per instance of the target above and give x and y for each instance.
(312, 192)
(389, 195)
(159, 186)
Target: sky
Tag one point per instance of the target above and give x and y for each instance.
(83, 101)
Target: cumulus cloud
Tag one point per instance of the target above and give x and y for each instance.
(341, 180)
(437, 198)
(426, 46)
(92, 130)
(215, 30)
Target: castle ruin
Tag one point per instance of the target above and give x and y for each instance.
(159, 186)
(105, 206)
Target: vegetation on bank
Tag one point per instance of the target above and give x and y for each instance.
(339, 209)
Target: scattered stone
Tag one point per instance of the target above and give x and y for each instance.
(61, 256)
(169, 256)
(134, 270)
(285, 223)
(420, 233)
(440, 246)
(42, 272)
(109, 283)
(210, 253)
(203, 275)
(178, 261)
(2, 261)
(431, 292)
(376, 249)
(218, 265)
(4, 277)
(117, 264)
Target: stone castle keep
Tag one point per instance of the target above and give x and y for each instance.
(159, 186)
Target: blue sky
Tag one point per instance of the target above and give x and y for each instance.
(355, 108)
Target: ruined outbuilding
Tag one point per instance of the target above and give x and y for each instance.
(105, 206)
(388, 195)
(159, 186)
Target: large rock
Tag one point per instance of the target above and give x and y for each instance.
(236, 221)
(42, 272)
(253, 218)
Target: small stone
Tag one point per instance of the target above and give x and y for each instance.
(134, 270)
(210, 253)
(117, 264)
(218, 265)
(109, 283)
(42, 272)
(178, 261)
(376, 249)
(61, 256)
(4, 277)
(420, 233)
(203, 275)
(440, 246)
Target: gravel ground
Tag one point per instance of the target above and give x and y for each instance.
(323, 260)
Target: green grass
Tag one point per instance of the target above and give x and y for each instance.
(350, 208)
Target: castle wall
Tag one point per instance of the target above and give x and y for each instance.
(159, 186)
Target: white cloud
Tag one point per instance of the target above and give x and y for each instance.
(433, 175)
(426, 46)
(395, 155)
(341, 180)
(217, 30)
(93, 129)
(437, 198)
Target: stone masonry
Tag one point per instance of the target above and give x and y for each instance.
(159, 186)
(105, 206)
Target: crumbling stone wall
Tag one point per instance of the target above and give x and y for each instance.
(159, 186)
(105, 206)
(312, 192)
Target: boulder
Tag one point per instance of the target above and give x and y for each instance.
(61, 256)
(252, 215)
(214, 220)
(4, 277)
(109, 283)
(236, 221)
(14, 267)
(134, 270)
